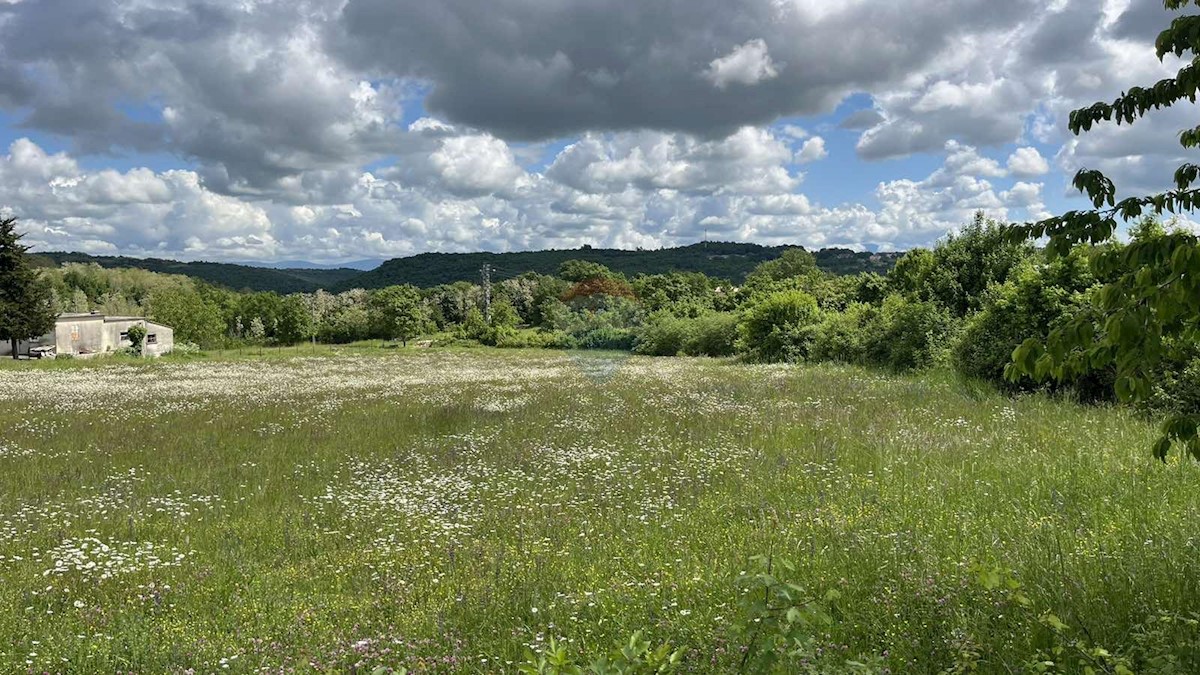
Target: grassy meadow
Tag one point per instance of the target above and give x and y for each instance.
(446, 511)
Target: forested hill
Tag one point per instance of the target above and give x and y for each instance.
(720, 260)
(236, 277)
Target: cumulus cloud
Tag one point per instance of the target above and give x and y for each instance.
(136, 211)
(527, 70)
(747, 65)
(1021, 79)
(247, 90)
(812, 150)
(1027, 162)
(751, 160)
(861, 120)
(288, 129)
(475, 164)
(628, 189)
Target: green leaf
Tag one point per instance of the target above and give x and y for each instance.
(1054, 622)
(1124, 389)
(1162, 448)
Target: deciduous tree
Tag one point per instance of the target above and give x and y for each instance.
(1149, 306)
(193, 318)
(398, 312)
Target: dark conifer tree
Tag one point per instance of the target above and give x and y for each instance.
(25, 308)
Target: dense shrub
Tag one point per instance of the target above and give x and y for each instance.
(779, 327)
(474, 327)
(1039, 296)
(663, 335)
(1177, 388)
(585, 291)
(909, 334)
(844, 336)
(688, 294)
(713, 335)
(183, 349)
(606, 337)
(558, 340)
(830, 291)
(793, 262)
(575, 271)
(555, 315)
(960, 269)
(534, 339)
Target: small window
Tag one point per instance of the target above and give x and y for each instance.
(152, 339)
(124, 336)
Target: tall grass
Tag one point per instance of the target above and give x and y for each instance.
(447, 511)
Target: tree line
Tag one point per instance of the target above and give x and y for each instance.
(718, 259)
(967, 303)
(725, 260)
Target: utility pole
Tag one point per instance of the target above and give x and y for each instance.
(486, 273)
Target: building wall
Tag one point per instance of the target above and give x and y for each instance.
(71, 336)
(165, 339)
(113, 337)
(87, 336)
(80, 336)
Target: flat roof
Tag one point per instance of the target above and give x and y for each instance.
(78, 316)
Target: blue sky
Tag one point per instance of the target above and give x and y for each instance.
(336, 130)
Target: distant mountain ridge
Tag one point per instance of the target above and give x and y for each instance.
(724, 260)
(229, 275)
(360, 265)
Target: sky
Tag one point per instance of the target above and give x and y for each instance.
(340, 130)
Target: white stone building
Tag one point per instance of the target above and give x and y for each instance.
(88, 335)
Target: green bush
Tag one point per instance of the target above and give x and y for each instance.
(534, 339)
(184, 350)
(606, 337)
(779, 327)
(713, 335)
(1037, 298)
(559, 340)
(663, 335)
(960, 268)
(136, 333)
(843, 336)
(1177, 388)
(909, 334)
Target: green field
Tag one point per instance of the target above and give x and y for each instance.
(446, 511)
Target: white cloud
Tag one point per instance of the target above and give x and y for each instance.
(752, 160)
(747, 65)
(796, 132)
(1027, 196)
(628, 189)
(812, 150)
(469, 164)
(1027, 162)
(675, 116)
